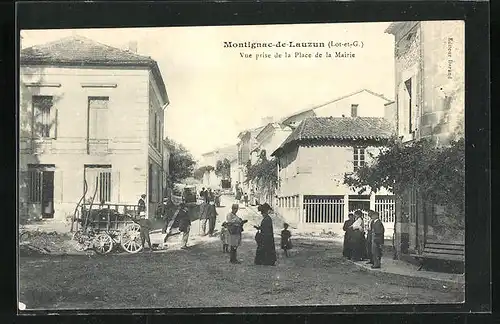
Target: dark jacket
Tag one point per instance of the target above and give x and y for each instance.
(378, 231)
(184, 220)
(141, 205)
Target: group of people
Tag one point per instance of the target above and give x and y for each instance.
(210, 196)
(231, 230)
(265, 254)
(357, 246)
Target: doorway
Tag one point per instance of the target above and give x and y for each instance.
(41, 189)
(48, 194)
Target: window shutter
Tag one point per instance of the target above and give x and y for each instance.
(93, 132)
(102, 123)
(53, 123)
(58, 186)
(24, 180)
(115, 186)
(349, 158)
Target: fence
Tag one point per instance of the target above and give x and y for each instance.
(329, 209)
(385, 206)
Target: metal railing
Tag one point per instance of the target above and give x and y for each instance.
(328, 209)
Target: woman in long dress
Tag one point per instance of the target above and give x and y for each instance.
(357, 234)
(347, 251)
(266, 250)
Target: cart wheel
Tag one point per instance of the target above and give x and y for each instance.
(103, 243)
(79, 241)
(131, 238)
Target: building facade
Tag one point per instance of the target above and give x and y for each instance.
(361, 103)
(210, 179)
(268, 139)
(312, 163)
(430, 79)
(247, 142)
(91, 125)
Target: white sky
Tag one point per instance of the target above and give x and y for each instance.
(214, 93)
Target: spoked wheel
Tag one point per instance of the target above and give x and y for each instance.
(103, 243)
(131, 238)
(79, 240)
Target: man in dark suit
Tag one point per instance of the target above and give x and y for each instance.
(369, 239)
(377, 229)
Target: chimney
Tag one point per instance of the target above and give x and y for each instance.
(132, 46)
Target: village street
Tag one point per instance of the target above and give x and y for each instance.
(202, 276)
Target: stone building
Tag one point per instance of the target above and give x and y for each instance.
(430, 79)
(91, 117)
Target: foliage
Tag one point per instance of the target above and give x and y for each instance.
(200, 172)
(248, 166)
(223, 169)
(438, 173)
(264, 174)
(181, 163)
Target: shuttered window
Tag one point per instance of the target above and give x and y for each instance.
(35, 186)
(359, 157)
(98, 118)
(43, 117)
(99, 179)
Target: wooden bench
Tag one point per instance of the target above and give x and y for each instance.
(449, 252)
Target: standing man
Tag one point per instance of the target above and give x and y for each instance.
(141, 205)
(211, 196)
(245, 199)
(212, 217)
(146, 226)
(377, 239)
(204, 217)
(206, 196)
(234, 227)
(369, 238)
(184, 224)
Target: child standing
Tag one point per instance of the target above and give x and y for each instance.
(146, 226)
(224, 237)
(286, 243)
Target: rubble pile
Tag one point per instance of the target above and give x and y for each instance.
(37, 242)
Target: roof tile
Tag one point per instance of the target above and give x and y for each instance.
(340, 128)
(78, 49)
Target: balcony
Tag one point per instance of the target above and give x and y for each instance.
(97, 146)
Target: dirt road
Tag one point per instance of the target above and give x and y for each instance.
(315, 274)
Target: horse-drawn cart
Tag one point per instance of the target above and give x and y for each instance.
(106, 227)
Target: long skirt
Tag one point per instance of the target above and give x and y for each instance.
(357, 245)
(265, 254)
(347, 249)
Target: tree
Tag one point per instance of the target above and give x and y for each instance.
(181, 162)
(200, 172)
(438, 173)
(264, 173)
(223, 169)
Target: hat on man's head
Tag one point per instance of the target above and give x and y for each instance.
(235, 206)
(143, 196)
(265, 207)
(358, 213)
(373, 213)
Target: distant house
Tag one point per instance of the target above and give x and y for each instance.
(90, 114)
(430, 94)
(361, 103)
(210, 179)
(210, 158)
(312, 163)
(247, 143)
(268, 139)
